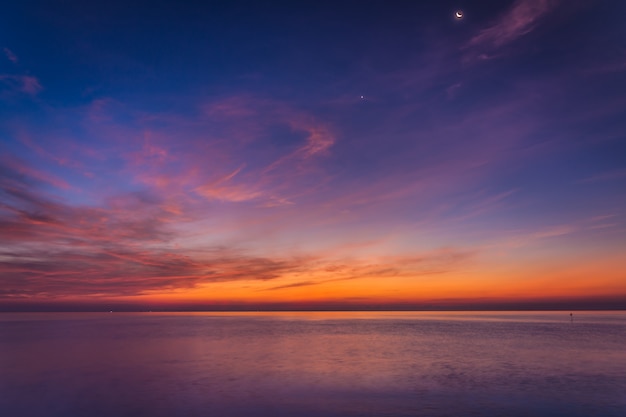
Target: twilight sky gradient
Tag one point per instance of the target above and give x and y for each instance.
(312, 154)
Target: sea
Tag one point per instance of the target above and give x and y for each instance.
(307, 364)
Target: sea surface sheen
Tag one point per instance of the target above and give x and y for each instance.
(313, 364)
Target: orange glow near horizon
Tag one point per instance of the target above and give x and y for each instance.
(470, 286)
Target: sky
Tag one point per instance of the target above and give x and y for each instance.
(312, 154)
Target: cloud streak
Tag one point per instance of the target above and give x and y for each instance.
(604, 176)
(519, 20)
(10, 55)
(26, 84)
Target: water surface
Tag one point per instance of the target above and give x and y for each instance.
(313, 364)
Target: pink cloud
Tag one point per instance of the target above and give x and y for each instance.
(30, 85)
(121, 248)
(187, 155)
(253, 116)
(65, 161)
(30, 172)
(518, 21)
(230, 131)
(224, 189)
(236, 106)
(319, 140)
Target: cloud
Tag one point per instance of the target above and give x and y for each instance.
(16, 168)
(602, 217)
(30, 85)
(223, 189)
(237, 149)
(55, 157)
(452, 90)
(482, 203)
(23, 83)
(254, 118)
(51, 249)
(518, 21)
(126, 247)
(294, 285)
(10, 55)
(554, 232)
(604, 176)
(521, 239)
(124, 271)
(614, 64)
(437, 262)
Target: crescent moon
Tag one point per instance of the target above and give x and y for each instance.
(459, 14)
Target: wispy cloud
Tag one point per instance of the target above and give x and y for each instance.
(519, 239)
(438, 262)
(224, 189)
(253, 118)
(519, 20)
(604, 176)
(10, 55)
(614, 66)
(26, 84)
(14, 167)
(293, 285)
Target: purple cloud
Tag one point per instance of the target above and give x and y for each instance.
(23, 83)
(518, 21)
(10, 55)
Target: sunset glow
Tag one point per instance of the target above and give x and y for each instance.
(303, 156)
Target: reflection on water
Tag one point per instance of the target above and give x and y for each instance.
(313, 364)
